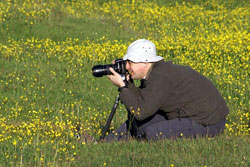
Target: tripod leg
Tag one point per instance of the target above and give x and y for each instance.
(106, 127)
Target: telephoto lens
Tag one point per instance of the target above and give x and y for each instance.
(101, 70)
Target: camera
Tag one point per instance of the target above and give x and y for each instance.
(101, 70)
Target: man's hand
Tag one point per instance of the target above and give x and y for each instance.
(116, 78)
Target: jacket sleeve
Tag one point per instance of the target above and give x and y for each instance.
(143, 103)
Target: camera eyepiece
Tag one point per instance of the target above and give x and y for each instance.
(101, 70)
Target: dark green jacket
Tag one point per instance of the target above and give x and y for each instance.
(177, 90)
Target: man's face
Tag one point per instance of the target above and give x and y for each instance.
(136, 70)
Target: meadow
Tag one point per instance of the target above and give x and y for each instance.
(47, 50)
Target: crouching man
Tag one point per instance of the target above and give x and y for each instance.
(172, 101)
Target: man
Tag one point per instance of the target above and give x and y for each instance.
(172, 101)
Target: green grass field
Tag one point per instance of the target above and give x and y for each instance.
(47, 50)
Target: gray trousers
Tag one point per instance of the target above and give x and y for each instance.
(158, 127)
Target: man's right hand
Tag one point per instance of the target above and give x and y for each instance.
(116, 78)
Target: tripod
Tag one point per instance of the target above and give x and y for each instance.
(112, 113)
(134, 129)
(134, 125)
(106, 127)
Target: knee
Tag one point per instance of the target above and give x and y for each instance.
(154, 133)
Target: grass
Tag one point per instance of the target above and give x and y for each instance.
(219, 151)
(61, 26)
(47, 88)
(180, 153)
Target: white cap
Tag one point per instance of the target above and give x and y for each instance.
(141, 51)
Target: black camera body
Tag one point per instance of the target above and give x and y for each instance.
(101, 70)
